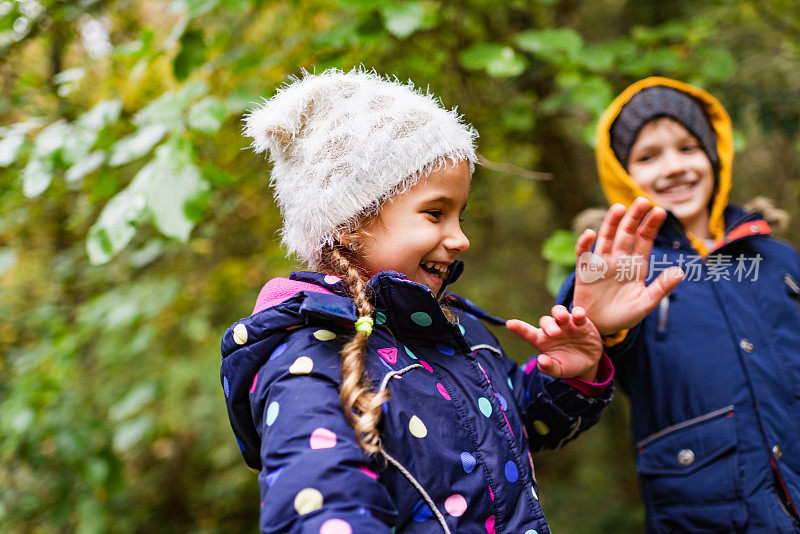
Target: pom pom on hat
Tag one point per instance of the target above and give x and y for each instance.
(342, 143)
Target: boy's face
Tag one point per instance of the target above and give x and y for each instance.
(669, 163)
(419, 232)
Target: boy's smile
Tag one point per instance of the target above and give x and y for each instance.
(669, 164)
(418, 233)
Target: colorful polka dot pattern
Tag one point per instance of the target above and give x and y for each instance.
(226, 387)
(302, 366)
(307, 500)
(380, 318)
(512, 474)
(280, 349)
(417, 427)
(421, 318)
(389, 354)
(324, 335)
(335, 526)
(485, 406)
(240, 334)
(422, 512)
(442, 391)
(541, 427)
(410, 354)
(490, 525)
(322, 438)
(272, 412)
(468, 462)
(455, 505)
(255, 383)
(445, 349)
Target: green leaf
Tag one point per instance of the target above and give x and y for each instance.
(115, 226)
(132, 403)
(498, 61)
(546, 43)
(136, 144)
(479, 55)
(403, 19)
(560, 248)
(8, 258)
(36, 176)
(169, 182)
(166, 110)
(10, 147)
(507, 64)
(716, 63)
(85, 166)
(191, 55)
(129, 434)
(51, 138)
(207, 115)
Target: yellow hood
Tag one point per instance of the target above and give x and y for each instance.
(619, 187)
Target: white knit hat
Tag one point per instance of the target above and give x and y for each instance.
(342, 143)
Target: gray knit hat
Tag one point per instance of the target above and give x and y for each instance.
(342, 143)
(659, 101)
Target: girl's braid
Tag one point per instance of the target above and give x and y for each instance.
(360, 403)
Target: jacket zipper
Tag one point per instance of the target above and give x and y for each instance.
(793, 287)
(663, 315)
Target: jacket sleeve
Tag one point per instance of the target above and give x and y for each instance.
(313, 472)
(553, 411)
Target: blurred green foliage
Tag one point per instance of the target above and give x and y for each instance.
(134, 227)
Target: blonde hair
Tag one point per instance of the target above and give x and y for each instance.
(361, 405)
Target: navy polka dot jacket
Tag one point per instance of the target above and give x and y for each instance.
(457, 431)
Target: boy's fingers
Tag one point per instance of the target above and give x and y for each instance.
(605, 238)
(584, 242)
(662, 286)
(626, 232)
(648, 230)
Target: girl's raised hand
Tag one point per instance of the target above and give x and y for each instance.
(569, 344)
(610, 282)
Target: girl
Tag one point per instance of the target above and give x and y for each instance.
(713, 372)
(368, 398)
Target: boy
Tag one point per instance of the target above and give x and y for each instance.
(713, 371)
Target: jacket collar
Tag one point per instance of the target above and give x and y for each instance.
(739, 224)
(410, 310)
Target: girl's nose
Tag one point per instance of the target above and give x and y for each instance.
(457, 241)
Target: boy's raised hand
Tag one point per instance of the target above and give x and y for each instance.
(569, 344)
(620, 299)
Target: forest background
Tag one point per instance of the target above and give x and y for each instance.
(135, 227)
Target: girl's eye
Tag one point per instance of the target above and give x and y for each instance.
(436, 214)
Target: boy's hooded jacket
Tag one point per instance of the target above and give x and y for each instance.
(461, 418)
(713, 372)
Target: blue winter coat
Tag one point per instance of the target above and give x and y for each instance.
(714, 379)
(457, 420)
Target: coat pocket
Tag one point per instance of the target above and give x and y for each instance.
(689, 475)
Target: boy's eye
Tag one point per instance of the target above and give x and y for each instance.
(689, 148)
(644, 158)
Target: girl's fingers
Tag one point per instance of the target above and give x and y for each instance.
(605, 238)
(578, 316)
(561, 315)
(526, 331)
(548, 365)
(549, 326)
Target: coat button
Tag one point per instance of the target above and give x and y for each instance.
(754, 228)
(777, 452)
(685, 457)
(746, 345)
(676, 244)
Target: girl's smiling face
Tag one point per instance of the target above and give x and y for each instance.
(670, 165)
(418, 233)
